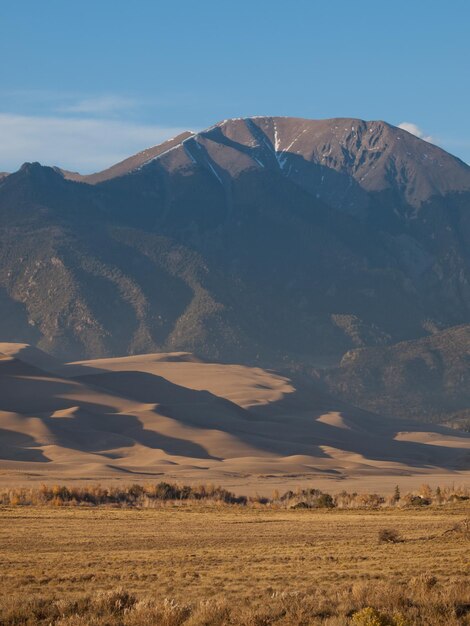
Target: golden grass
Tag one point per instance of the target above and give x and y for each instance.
(233, 565)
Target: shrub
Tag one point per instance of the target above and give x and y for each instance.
(371, 617)
(308, 499)
(425, 581)
(463, 528)
(415, 500)
(370, 500)
(325, 501)
(389, 535)
(300, 505)
(115, 601)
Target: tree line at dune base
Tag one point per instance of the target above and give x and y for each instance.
(162, 493)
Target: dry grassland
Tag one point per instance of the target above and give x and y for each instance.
(232, 565)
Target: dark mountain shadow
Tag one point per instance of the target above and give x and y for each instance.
(123, 301)
(366, 433)
(30, 361)
(15, 446)
(93, 427)
(97, 433)
(338, 189)
(15, 326)
(153, 389)
(28, 390)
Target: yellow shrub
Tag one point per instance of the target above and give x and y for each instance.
(371, 617)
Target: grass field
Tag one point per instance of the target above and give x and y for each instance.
(232, 565)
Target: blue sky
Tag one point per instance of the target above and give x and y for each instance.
(84, 84)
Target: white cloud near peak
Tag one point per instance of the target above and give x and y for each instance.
(415, 130)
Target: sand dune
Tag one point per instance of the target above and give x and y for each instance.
(245, 386)
(172, 414)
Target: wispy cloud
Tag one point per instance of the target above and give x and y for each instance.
(79, 144)
(416, 130)
(50, 102)
(98, 105)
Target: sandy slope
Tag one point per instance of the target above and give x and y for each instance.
(149, 415)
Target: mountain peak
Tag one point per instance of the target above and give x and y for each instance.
(370, 151)
(329, 157)
(30, 166)
(37, 171)
(338, 159)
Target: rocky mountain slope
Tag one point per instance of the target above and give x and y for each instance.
(128, 165)
(279, 241)
(428, 377)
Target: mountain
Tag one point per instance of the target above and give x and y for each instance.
(175, 414)
(275, 241)
(427, 377)
(128, 165)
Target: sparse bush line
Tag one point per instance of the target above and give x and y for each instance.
(423, 601)
(159, 494)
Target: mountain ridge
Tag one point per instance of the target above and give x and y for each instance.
(239, 244)
(283, 133)
(128, 165)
